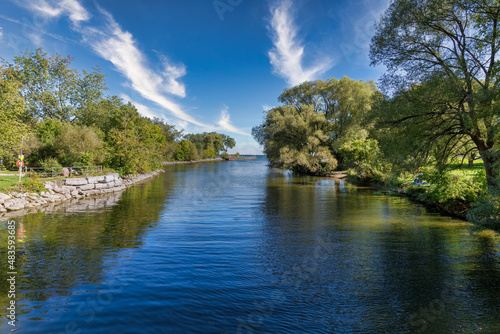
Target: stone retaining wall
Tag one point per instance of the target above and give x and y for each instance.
(72, 188)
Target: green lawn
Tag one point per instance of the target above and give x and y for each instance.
(464, 169)
(8, 181)
(13, 172)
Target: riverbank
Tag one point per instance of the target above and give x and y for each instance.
(190, 162)
(231, 158)
(70, 189)
(453, 208)
(457, 209)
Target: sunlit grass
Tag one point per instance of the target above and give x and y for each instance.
(13, 172)
(11, 182)
(7, 182)
(459, 169)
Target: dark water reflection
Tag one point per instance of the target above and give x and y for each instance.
(239, 248)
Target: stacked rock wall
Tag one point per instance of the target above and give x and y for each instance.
(72, 188)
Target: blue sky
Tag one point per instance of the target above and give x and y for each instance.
(201, 65)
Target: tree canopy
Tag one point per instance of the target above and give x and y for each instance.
(442, 59)
(65, 118)
(317, 120)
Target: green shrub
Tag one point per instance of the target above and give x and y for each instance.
(31, 183)
(49, 162)
(444, 186)
(79, 146)
(363, 157)
(486, 212)
(208, 153)
(182, 151)
(193, 152)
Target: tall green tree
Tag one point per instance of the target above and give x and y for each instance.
(52, 89)
(79, 146)
(12, 107)
(345, 104)
(135, 143)
(227, 142)
(296, 139)
(452, 45)
(183, 150)
(88, 91)
(210, 144)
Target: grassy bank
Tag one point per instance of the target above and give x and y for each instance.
(8, 181)
(458, 191)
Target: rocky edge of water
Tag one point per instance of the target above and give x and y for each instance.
(71, 188)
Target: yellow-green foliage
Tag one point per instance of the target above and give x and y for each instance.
(364, 157)
(183, 151)
(487, 211)
(193, 152)
(443, 186)
(297, 139)
(208, 153)
(79, 146)
(73, 124)
(32, 183)
(12, 107)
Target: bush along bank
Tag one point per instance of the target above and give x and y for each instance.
(453, 193)
(71, 188)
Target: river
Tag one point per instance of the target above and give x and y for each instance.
(237, 247)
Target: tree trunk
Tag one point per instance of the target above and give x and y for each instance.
(472, 156)
(491, 161)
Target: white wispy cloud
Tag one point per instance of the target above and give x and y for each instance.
(171, 74)
(225, 123)
(1, 33)
(150, 113)
(46, 10)
(53, 9)
(119, 47)
(288, 53)
(35, 31)
(114, 44)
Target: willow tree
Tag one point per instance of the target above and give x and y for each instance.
(296, 139)
(345, 104)
(454, 42)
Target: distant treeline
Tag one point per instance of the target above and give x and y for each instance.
(62, 117)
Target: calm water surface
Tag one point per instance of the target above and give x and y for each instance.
(237, 247)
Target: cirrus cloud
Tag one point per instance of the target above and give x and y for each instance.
(225, 123)
(288, 52)
(53, 9)
(111, 42)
